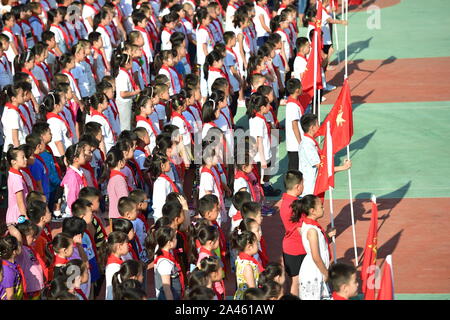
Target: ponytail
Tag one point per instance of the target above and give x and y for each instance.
(255, 103)
(202, 14)
(22, 58)
(175, 103)
(209, 60)
(241, 238)
(253, 63)
(303, 206)
(154, 163)
(113, 157)
(8, 92)
(49, 104)
(118, 60)
(158, 236)
(160, 58)
(128, 269)
(107, 248)
(94, 101)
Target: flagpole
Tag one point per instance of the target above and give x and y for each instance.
(315, 73)
(345, 3)
(336, 37)
(332, 221)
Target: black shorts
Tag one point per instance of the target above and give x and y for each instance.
(326, 48)
(293, 160)
(292, 264)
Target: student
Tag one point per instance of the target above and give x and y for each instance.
(110, 257)
(252, 211)
(141, 223)
(144, 108)
(232, 6)
(165, 59)
(272, 272)
(99, 57)
(159, 166)
(234, 75)
(239, 198)
(61, 249)
(294, 112)
(343, 279)
(17, 187)
(308, 154)
(248, 268)
(41, 70)
(6, 74)
(162, 92)
(38, 213)
(293, 250)
(98, 103)
(62, 36)
(126, 89)
(313, 273)
(127, 144)
(15, 124)
(177, 106)
(208, 238)
(129, 270)
(211, 265)
(212, 68)
(262, 22)
(168, 22)
(205, 44)
(34, 268)
(112, 113)
(38, 168)
(13, 283)
(169, 280)
(301, 60)
(192, 114)
(8, 24)
(101, 23)
(243, 42)
(61, 132)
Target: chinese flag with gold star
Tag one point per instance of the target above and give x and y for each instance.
(325, 172)
(313, 59)
(369, 267)
(341, 120)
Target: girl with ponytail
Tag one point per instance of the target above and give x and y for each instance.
(97, 105)
(62, 134)
(242, 47)
(143, 109)
(129, 270)
(279, 25)
(24, 62)
(165, 60)
(314, 268)
(117, 182)
(213, 68)
(14, 121)
(126, 88)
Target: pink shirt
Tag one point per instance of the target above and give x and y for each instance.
(15, 184)
(117, 188)
(72, 183)
(32, 270)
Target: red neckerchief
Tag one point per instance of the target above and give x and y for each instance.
(307, 220)
(230, 50)
(144, 220)
(172, 81)
(21, 115)
(244, 256)
(222, 243)
(287, 38)
(241, 174)
(142, 71)
(83, 178)
(27, 109)
(19, 269)
(133, 252)
(167, 30)
(188, 125)
(47, 76)
(234, 5)
(16, 41)
(69, 74)
(218, 22)
(81, 293)
(57, 167)
(97, 113)
(295, 101)
(301, 56)
(114, 109)
(133, 83)
(149, 37)
(172, 184)
(106, 30)
(247, 39)
(99, 52)
(40, 261)
(33, 180)
(167, 255)
(269, 129)
(337, 296)
(113, 259)
(147, 120)
(144, 151)
(209, 34)
(315, 142)
(89, 168)
(23, 21)
(94, 72)
(263, 252)
(46, 233)
(222, 73)
(28, 72)
(60, 260)
(266, 10)
(216, 181)
(66, 37)
(15, 171)
(237, 216)
(252, 32)
(207, 252)
(118, 173)
(37, 156)
(139, 172)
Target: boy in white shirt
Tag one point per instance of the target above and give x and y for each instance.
(294, 132)
(308, 154)
(301, 60)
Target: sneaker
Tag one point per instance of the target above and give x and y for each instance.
(241, 104)
(329, 87)
(323, 99)
(269, 191)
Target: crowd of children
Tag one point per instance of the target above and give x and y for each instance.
(117, 121)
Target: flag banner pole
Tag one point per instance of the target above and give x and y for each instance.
(315, 74)
(345, 2)
(351, 207)
(336, 37)
(332, 221)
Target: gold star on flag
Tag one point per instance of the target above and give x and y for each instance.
(339, 119)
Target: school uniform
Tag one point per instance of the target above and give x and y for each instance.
(148, 46)
(41, 74)
(89, 11)
(14, 118)
(259, 128)
(231, 60)
(261, 34)
(308, 158)
(73, 181)
(100, 69)
(293, 113)
(203, 36)
(16, 183)
(117, 188)
(12, 39)
(161, 188)
(174, 77)
(229, 14)
(300, 63)
(60, 132)
(286, 43)
(70, 117)
(246, 48)
(166, 264)
(124, 82)
(185, 130)
(112, 266)
(141, 74)
(83, 84)
(107, 129)
(210, 181)
(90, 74)
(151, 130)
(215, 27)
(27, 35)
(107, 40)
(160, 110)
(165, 39)
(61, 37)
(194, 118)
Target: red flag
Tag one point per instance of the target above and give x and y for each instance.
(313, 59)
(325, 172)
(368, 271)
(354, 2)
(386, 291)
(341, 120)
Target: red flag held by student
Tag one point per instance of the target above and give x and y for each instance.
(386, 291)
(368, 271)
(341, 120)
(325, 173)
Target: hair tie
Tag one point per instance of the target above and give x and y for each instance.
(119, 278)
(21, 219)
(214, 103)
(28, 55)
(239, 232)
(54, 100)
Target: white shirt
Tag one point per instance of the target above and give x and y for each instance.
(123, 83)
(11, 120)
(110, 270)
(202, 36)
(260, 32)
(229, 14)
(287, 45)
(183, 130)
(164, 267)
(308, 158)
(165, 40)
(108, 135)
(208, 183)
(258, 128)
(161, 188)
(175, 86)
(59, 133)
(293, 112)
(300, 63)
(107, 44)
(212, 76)
(88, 12)
(150, 132)
(59, 38)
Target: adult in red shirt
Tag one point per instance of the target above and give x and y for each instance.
(293, 251)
